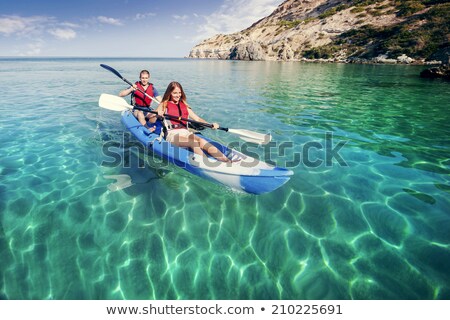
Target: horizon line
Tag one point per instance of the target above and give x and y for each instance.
(89, 57)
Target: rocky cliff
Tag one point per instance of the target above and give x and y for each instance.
(361, 30)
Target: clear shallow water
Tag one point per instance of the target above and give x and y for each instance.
(375, 228)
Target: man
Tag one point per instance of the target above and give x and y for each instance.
(142, 93)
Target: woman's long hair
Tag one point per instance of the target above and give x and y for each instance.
(170, 88)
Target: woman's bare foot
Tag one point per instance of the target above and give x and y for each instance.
(225, 159)
(151, 129)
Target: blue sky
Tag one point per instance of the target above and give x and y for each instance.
(120, 28)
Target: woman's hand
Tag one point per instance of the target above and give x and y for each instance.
(215, 126)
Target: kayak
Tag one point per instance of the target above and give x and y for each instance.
(247, 174)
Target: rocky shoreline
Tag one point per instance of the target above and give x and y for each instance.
(363, 32)
(437, 72)
(382, 59)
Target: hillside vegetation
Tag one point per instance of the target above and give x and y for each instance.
(415, 31)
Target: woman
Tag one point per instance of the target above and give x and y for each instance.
(174, 103)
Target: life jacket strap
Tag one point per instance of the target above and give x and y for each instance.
(175, 126)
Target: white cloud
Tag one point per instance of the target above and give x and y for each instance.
(141, 16)
(63, 34)
(177, 17)
(10, 25)
(33, 49)
(27, 49)
(236, 15)
(27, 36)
(107, 20)
(70, 25)
(16, 25)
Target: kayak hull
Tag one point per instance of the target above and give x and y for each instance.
(247, 175)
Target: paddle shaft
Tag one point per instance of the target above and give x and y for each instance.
(247, 135)
(121, 77)
(116, 103)
(208, 125)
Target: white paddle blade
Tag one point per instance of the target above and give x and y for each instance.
(114, 103)
(251, 136)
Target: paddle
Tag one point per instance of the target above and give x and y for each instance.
(246, 135)
(144, 93)
(120, 76)
(115, 103)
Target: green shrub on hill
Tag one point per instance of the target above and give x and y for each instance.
(357, 9)
(289, 24)
(322, 52)
(431, 2)
(327, 13)
(364, 3)
(333, 11)
(407, 8)
(411, 37)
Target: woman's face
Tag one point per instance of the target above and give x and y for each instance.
(175, 95)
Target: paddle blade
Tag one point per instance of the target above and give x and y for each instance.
(111, 69)
(114, 103)
(251, 136)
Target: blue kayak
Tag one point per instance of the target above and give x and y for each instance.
(247, 175)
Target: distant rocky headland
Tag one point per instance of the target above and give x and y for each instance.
(359, 31)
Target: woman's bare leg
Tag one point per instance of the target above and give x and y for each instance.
(212, 150)
(140, 116)
(199, 146)
(188, 142)
(151, 117)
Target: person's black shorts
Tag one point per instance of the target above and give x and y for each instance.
(145, 112)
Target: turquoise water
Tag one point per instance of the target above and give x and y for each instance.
(371, 222)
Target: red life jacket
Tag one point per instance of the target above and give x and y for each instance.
(178, 110)
(139, 98)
